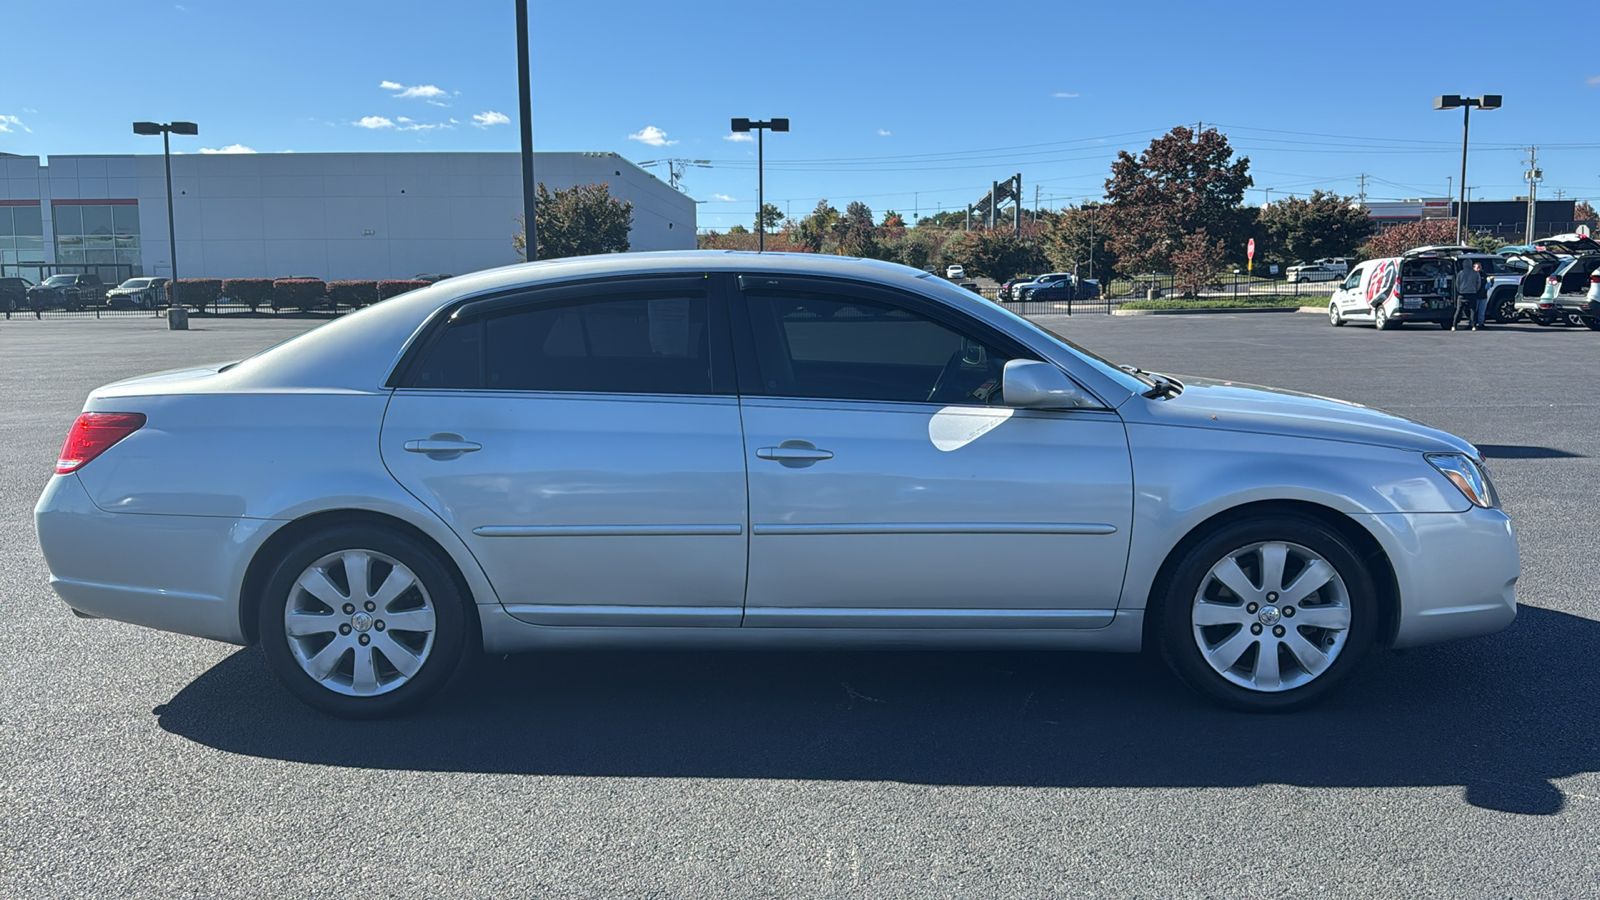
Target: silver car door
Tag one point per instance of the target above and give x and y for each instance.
(584, 441)
(889, 486)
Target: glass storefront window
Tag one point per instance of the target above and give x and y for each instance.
(98, 234)
(27, 220)
(125, 219)
(69, 219)
(96, 220)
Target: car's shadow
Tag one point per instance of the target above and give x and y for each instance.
(1500, 716)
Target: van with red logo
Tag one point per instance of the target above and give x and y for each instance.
(1416, 287)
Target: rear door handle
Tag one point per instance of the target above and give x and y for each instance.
(795, 454)
(442, 446)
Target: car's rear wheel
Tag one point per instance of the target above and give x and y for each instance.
(1268, 614)
(362, 622)
(1574, 319)
(1381, 319)
(1594, 324)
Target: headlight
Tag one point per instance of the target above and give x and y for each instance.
(1469, 476)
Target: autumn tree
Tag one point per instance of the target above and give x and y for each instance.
(1067, 237)
(997, 254)
(815, 231)
(1196, 261)
(1583, 213)
(1322, 225)
(1397, 239)
(580, 221)
(858, 235)
(1182, 184)
(892, 219)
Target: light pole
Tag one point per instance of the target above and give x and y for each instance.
(530, 228)
(177, 316)
(1451, 101)
(760, 128)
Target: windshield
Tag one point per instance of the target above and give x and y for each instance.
(135, 283)
(59, 279)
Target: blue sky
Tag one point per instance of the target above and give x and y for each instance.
(902, 105)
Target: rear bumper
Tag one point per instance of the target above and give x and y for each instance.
(1456, 572)
(173, 573)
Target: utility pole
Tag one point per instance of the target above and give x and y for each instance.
(1363, 189)
(1016, 206)
(1533, 176)
(1036, 204)
(1449, 185)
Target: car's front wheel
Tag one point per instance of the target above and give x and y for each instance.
(1268, 614)
(361, 622)
(1333, 315)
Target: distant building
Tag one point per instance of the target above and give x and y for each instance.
(1506, 219)
(325, 215)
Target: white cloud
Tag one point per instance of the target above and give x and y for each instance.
(883, 132)
(391, 85)
(231, 148)
(424, 91)
(424, 126)
(723, 197)
(1063, 95)
(490, 117)
(651, 135)
(9, 123)
(402, 119)
(373, 122)
(1592, 80)
(739, 137)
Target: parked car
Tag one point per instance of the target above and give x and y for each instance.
(1571, 244)
(14, 293)
(1025, 292)
(137, 293)
(954, 272)
(1567, 294)
(1006, 286)
(1066, 291)
(1309, 272)
(971, 286)
(70, 292)
(431, 277)
(1416, 287)
(1339, 263)
(757, 451)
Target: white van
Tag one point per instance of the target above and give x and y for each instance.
(1388, 292)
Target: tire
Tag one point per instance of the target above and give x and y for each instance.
(1381, 320)
(1573, 319)
(1545, 321)
(1205, 627)
(1594, 324)
(354, 643)
(1505, 309)
(1333, 315)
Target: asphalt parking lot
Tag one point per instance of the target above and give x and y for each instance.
(135, 763)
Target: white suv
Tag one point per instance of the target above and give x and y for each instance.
(955, 272)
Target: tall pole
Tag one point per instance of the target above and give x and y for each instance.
(1533, 189)
(1461, 212)
(761, 188)
(525, 98)
(1091, 240)
(172, 229)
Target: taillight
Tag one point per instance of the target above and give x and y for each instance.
(1594, 278)
(93, 434)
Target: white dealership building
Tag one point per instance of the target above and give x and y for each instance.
(323, 215)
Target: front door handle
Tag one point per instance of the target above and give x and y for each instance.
(795, 454)
(443, 445)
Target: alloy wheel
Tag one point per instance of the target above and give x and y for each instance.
(1271, 616)
(359, 623)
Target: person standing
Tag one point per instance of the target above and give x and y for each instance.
(1469, 290)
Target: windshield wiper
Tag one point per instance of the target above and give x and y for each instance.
(1160, 385)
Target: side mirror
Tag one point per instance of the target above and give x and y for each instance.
(1036, 385)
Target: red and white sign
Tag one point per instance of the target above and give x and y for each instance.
(1251, 252)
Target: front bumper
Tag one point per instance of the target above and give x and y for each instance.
(173, 573)
(1456, 572)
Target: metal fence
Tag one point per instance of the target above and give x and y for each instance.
(1165, 287)
(221, 308)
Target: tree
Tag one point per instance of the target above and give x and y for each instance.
(892, 219)
(1323, 225)
(858, 235)
(1583, 212)
(815, 231)
(738, 229)
(997, 254)
(1066, 240)
(1397, 239)
(1183, 183)
(916, 247)
(1195, 263)
(1487, 243)
(579, 221)
(770, 219)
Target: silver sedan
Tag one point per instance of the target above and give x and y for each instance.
(725, 449)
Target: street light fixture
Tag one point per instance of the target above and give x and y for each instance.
(177, 316)
(1451, 101)
(760, 128)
